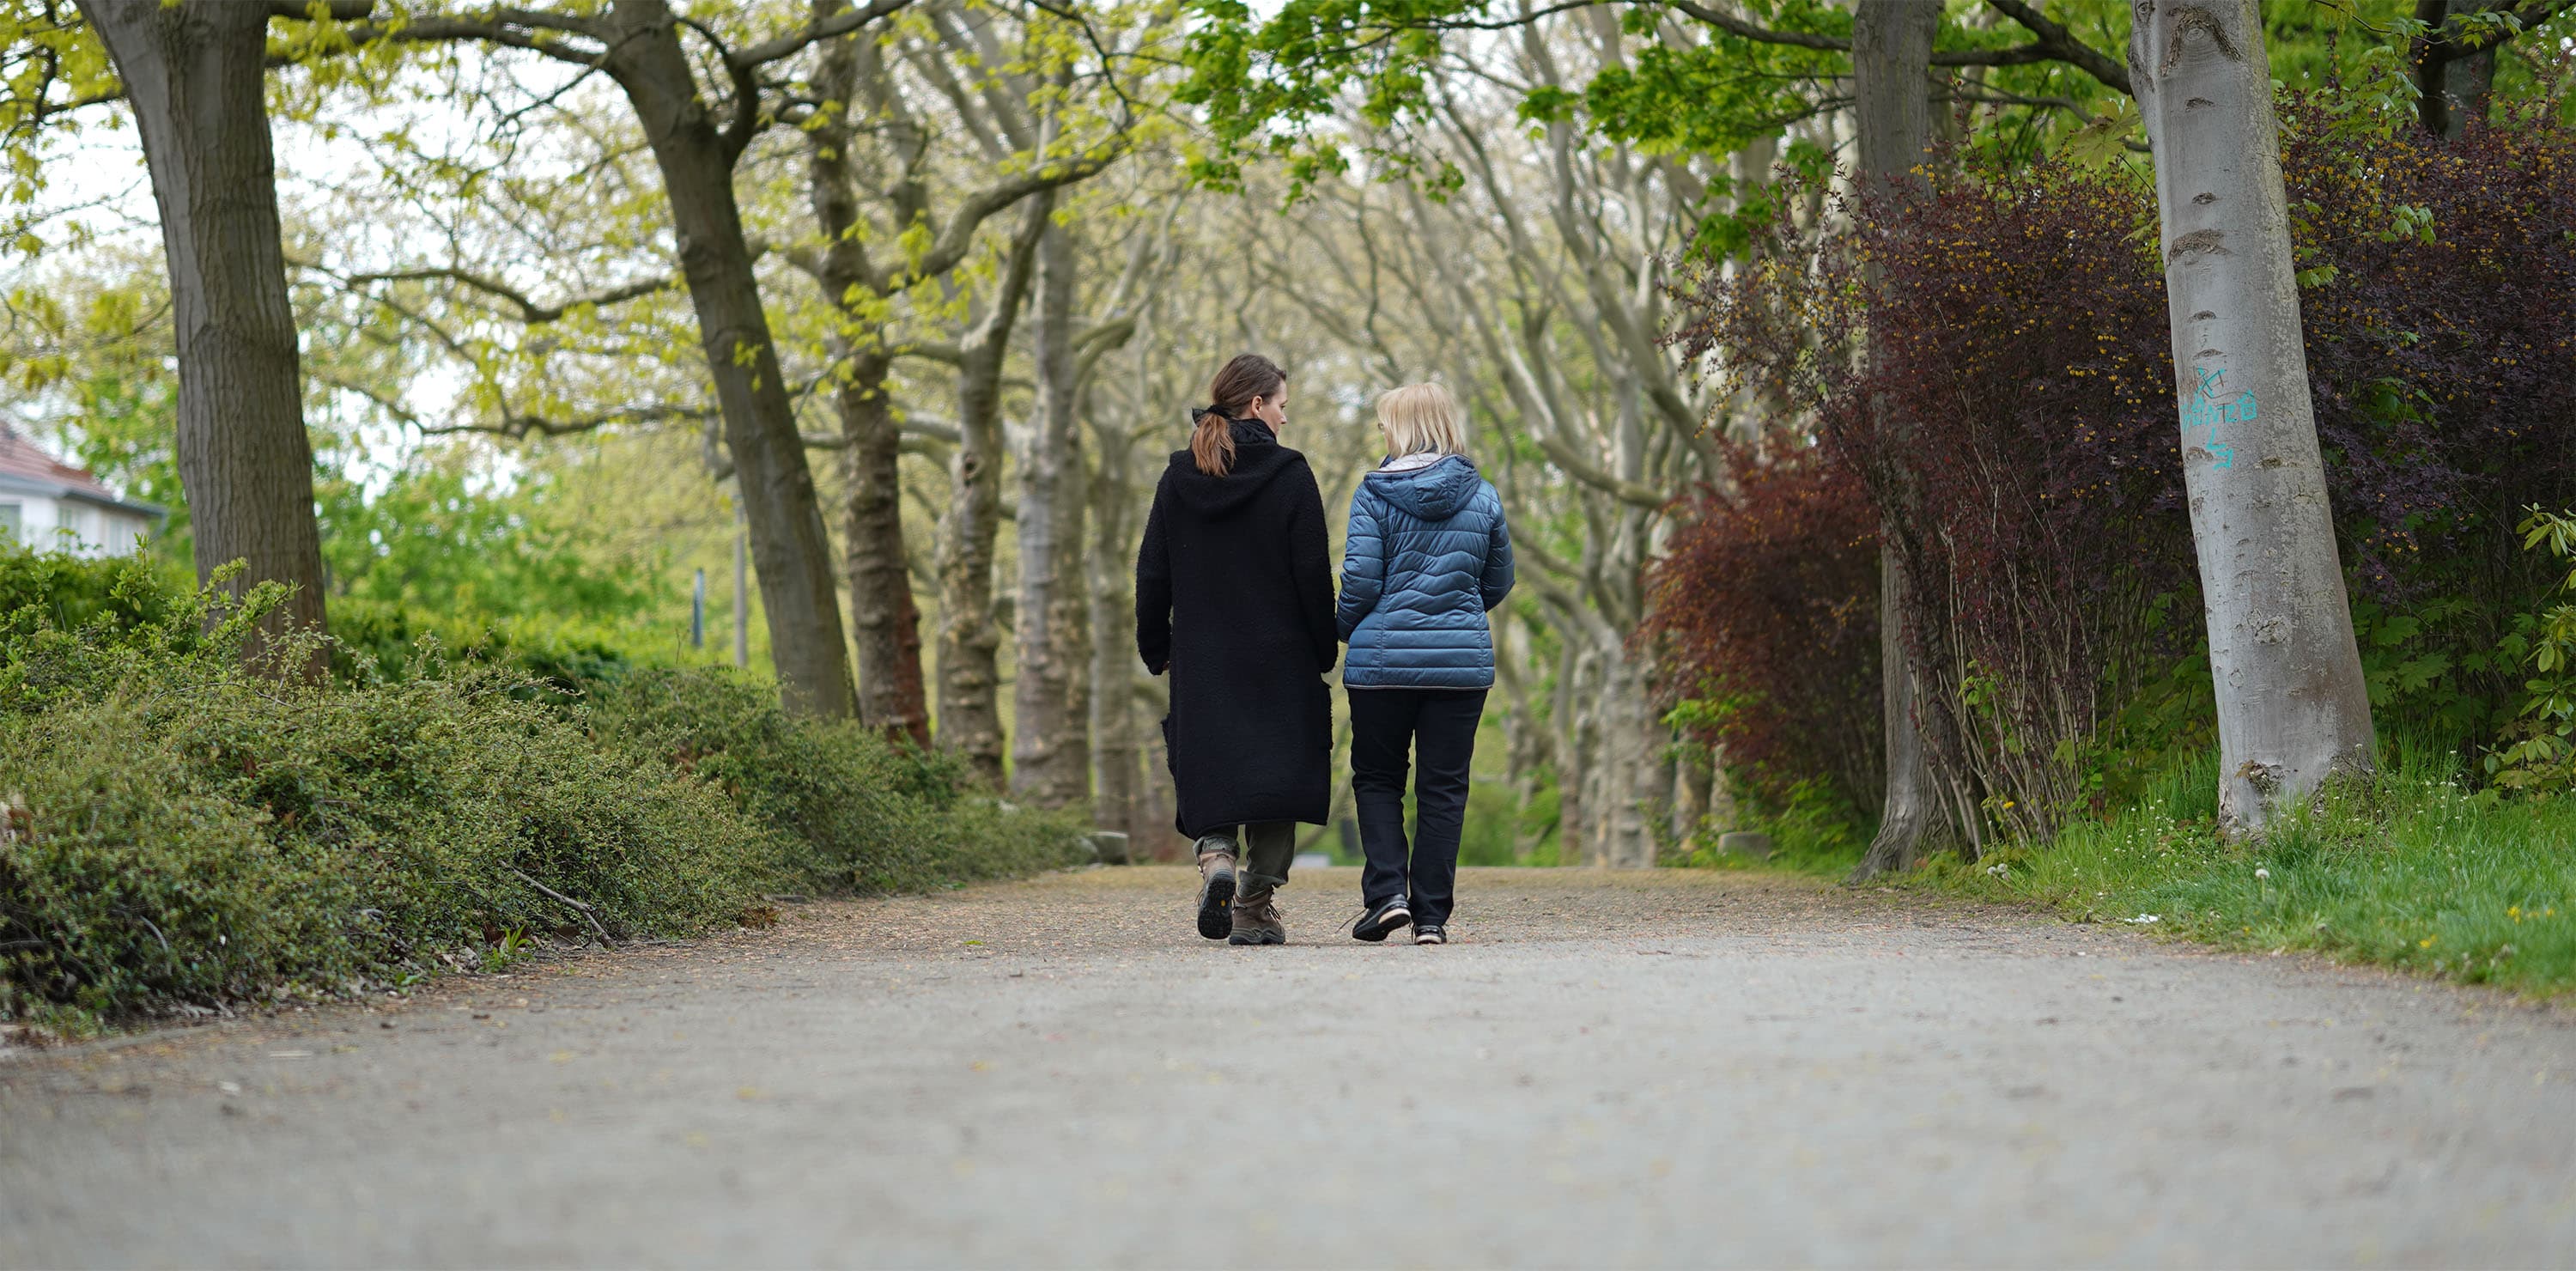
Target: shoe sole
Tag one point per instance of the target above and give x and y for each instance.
(1255, 937)
(1434, 940)
(1216, 906)
(1393, 920)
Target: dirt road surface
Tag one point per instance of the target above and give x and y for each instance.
(1670, 1069)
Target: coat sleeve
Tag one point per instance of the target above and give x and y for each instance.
(1154, 593)
(1497, 580)
(1363, 564)
(1310, 569)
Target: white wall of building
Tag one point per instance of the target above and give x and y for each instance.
(83, 529)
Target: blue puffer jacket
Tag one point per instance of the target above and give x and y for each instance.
(1427, 553)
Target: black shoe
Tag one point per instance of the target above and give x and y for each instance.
(1216, 895)
(1378, 923)
(1430, 933)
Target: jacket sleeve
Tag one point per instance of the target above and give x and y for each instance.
(1363, 564)
(1310, 569)
(1154, 593)
(1497, 580)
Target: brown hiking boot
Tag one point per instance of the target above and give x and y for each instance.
(1256, 920)
(1216, 888)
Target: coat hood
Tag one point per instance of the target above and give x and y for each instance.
(1258, 459)
(1434, 492)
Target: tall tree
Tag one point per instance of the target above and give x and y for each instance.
(1891, 62)
(2293, 709)
(876, 149)
(696, 144)
(970, 715)
(195, 77)
(1051, 706)
(1050, 743)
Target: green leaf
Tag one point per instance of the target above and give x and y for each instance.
(2103, 141)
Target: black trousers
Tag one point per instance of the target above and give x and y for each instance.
(1440, 726)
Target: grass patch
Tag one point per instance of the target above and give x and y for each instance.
(2418, 870)
(1812, 833)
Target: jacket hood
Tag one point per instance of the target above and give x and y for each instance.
(1434, 492)
(1258, 459)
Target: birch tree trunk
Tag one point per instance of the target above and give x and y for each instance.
(970, 710)
(2292, 706)
(195, 78)
(1891, 60)
(1050, 751)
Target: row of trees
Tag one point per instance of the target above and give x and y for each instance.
(934, 279)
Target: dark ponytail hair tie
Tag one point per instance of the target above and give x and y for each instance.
(1198, 413)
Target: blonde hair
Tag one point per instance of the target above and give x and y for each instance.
(1421, 417)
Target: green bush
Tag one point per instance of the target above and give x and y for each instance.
(852, 810)
(377, 640)
(182, 830)
(54, 591)
(120, 882)
(185, 831)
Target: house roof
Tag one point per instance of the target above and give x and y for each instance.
(25, 465)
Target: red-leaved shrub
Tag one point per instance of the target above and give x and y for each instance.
(2015, 422)
(1764, 607)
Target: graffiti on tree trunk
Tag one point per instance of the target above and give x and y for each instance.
(2205, 410)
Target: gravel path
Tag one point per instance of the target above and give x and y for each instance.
(1681, 1068)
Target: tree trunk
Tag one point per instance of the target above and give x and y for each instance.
(1051, 752)
(2292, 707)
(195, 79)
(885, 625)
(1631, 779)
(790, 550)
(1693, 780)
(1118, 801)
(2453, 84)
(892, 698)
(970, 715)
(1573, 757)
(1524, 740)
(1650, 776)
(1891, 65)
(970, 712)
(741, 589)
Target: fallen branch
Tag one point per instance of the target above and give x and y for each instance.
(586, 911)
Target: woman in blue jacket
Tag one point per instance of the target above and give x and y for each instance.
(1426, 555)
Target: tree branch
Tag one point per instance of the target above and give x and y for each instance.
(2061, 45)
(509, 28)
(2454, 35)
(517, 425)
(332, 10)
(1632, 493)
(530, 311)
(768, 51)
(2055, 43)
(959, 237)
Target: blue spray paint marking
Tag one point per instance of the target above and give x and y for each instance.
(2206, 411)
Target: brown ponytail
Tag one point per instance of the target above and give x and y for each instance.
(1248, 376)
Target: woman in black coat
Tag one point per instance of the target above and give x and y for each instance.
(1234, 597)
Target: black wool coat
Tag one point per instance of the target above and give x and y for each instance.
(1234, 596)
